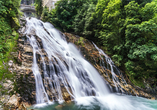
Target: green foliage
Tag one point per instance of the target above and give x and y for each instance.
(111, 25)
(9, 44)
(81, 41)
(141, 41)
(9, 12)
(9, 8)
(38, 7)
(129, 35)
(64, 13)
(83, 22)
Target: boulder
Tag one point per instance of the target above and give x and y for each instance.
(8, 85)
(14, 101)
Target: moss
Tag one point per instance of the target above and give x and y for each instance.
(1, 86)
(81, 41)
(15, 19)
(136, 82)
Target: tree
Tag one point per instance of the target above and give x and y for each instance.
(38, 7)
(83, 23)
(141, 40)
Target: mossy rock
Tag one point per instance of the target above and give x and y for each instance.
(15, 23)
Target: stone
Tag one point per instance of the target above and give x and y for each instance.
(21, 41)
(25, 64)
(22, 18)
(8, 85)
(23, 29)
(10, 63)
(4, 99)
(59, 107)
(153, 98)
(66, 96)
(28, 49)
(21, 107)
(11, 70)
(13, 101)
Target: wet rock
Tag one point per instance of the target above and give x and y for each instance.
(24, 77)
(59, 107)
(23, 30)
(10, 63)
(66, 96)
(21, 41)
(20, 47)
(28, 49)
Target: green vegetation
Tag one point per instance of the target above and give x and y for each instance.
(38, 7)
(81, 41)
(9, 23)
(126, 29)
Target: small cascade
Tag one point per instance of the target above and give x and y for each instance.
(62, 73)
(116, 75)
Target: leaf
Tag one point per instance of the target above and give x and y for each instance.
(14, 33)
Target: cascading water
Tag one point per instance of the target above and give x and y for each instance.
(114, 71)
(71, 68)
(62, 66)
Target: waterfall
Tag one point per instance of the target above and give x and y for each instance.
(59, 68)
(67, 66)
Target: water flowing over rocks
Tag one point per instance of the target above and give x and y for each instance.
(100, 63)
(25, 82)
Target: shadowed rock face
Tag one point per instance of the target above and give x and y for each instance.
(25, 77)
